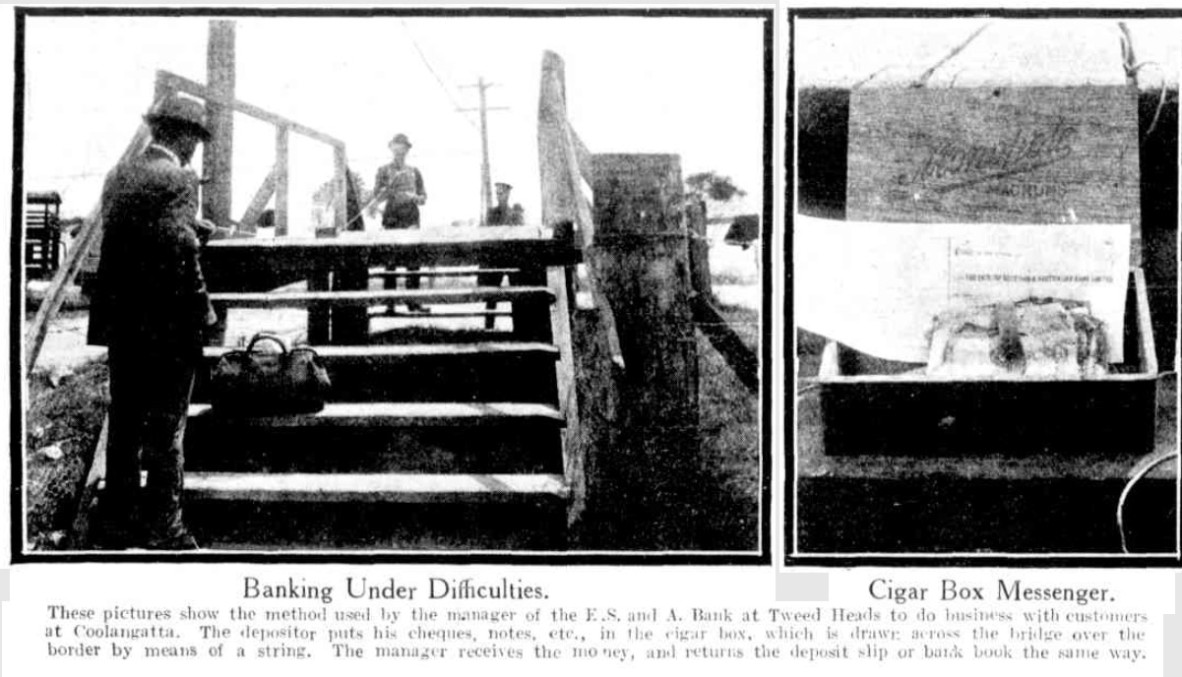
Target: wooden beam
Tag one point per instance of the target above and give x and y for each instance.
(564, 162)
(743, 361)
(699, 250)
(573, 450)
(642, 259)
(340, 190)
(375, 487)
(259, 203)
(196, 89)
(392, 414)
(281, 167)
(216, 161)
(321, 297)
(558, 160)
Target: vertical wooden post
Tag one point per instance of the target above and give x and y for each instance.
(340, 191)
(641, 243)
(281, 153)
(699, 250)
(216, 162)
(319, 315)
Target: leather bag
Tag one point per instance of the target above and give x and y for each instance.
(252, 382)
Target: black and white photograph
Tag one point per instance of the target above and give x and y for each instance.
(985, 285)
(456, 282)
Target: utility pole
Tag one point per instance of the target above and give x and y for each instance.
(485, 174)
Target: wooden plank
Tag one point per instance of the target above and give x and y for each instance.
(371, 297)
(402, 352)
(994, 154)
(444, 272)
(699, 251)
(378, 487)
(340, 167)
(573, 451)
(395, 414)
(217, 155)
(259, 202)
(281, 180)
(557, 156)
(443, 313)
(182, 84)
(642, 253)
(508, 235)
(564, 162)
(743, 361)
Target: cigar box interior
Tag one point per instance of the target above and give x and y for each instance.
(872, 406)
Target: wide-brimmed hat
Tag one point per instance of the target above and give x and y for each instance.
(400, 140)
(182, 111)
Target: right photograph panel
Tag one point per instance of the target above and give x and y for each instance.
(985, 255)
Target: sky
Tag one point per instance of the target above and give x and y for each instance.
(688, 86)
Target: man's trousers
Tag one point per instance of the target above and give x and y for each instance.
(150, 391)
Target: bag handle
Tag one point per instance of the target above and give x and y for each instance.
(267, 337)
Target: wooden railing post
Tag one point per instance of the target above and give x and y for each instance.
(641, 247)
(340, 190)
(699, 249)
(282, 135)
(217, 159)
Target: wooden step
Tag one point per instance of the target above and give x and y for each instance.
(394, 414)
(372, 487)
(446, 312)
(441, 272)
(335, 354)
(307, 299)
(255, 263)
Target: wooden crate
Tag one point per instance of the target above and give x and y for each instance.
(871, 407)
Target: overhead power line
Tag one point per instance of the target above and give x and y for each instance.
(427, 63)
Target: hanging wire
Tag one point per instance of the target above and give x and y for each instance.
(1138, 475)
(427, 63)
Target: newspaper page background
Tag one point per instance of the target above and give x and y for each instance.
(636, 617)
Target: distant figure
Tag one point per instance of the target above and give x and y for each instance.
(400, 186)
(502, 214)
(151, 309)
(499, 215)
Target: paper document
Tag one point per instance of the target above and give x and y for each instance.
(876, 286)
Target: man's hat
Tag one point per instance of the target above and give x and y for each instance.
(400, 140)
(183, 111)
(501, 184)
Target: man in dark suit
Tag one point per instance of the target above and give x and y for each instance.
(151, 309)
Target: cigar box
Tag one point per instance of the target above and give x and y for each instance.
(888, 408)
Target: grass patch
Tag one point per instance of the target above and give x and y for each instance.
(730, 437)
(65, 415)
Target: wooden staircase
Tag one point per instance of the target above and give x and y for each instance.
(416, 416)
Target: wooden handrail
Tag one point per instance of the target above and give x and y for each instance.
(187, 86)
(565, 163)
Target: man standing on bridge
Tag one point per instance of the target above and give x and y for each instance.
(401, 187)
(150, 308)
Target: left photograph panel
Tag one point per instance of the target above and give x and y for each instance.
(409, 283)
